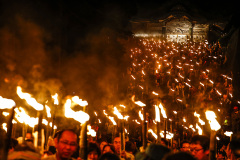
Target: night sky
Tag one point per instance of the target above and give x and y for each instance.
(77, 47)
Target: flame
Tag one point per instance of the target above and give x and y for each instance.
(191, 126)
(4, 126)
(199, 129)
(50, 124)
(113, 121)
(199, 119)
(48, 111)
(121, 105)
(157, 114)
(23, 117)
(228, 133)
(126, 117)
(117, 113)
(31, 101)
(91, 131)
(140, 103)
(104, 112)
(5, 114)
(80, 102)
(154, 134)
(211, 117)
(169, 135)
(140, 115)
(79, 116)
(55, 97)
(162, 111)
(155, 93)
(184, 119)
(6, 103)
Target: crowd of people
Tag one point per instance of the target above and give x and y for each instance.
(187, 77)
(66, 147)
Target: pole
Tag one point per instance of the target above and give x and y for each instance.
(122, 135)
(23, 132)
(8, 135)
(113, 133)
(212, 147)
(47, 133)
(144, 129)
(83, 140)
(53, 119)
(158, 132)
(165, 128)
(39, 129)
(171, 129)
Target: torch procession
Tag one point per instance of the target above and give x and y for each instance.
(107, 80)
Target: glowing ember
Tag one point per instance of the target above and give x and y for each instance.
(31, 101)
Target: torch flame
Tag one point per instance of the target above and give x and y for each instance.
(140, 115)
(199, 129)
(55, 97)
(91, 131)
(31, 101)
(48, 111)
(228, 133)
(6, 103)
(79, 116)
(80, 102)
(211, 117)
(199, 119)
(162, 111)
(116, 112)
(23, 117)
(141, 104)
(4, 126)
(113, 121)
(154, 134)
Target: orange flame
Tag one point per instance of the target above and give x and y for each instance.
(55, 97)
(211, 117)
(6, 103)
(31, 101)
(79, 116)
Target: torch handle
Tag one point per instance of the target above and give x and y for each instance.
(9, 134)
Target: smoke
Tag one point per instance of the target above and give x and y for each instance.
(93, 74)
(97, 73)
